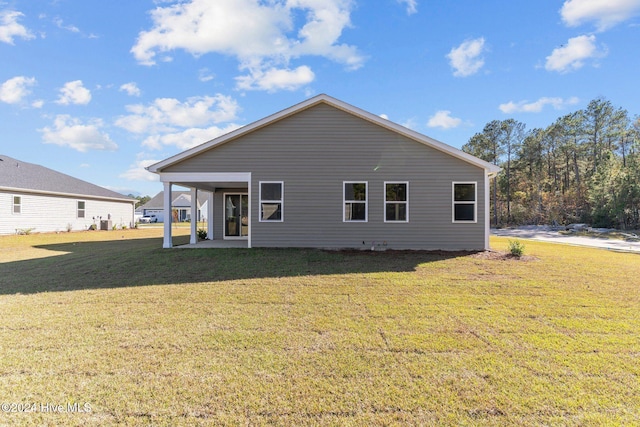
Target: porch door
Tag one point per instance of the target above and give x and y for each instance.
(236, 216)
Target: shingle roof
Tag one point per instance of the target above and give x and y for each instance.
(157, 201)
(19, 175)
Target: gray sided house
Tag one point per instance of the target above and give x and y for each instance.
(326, 174)
(40, 199)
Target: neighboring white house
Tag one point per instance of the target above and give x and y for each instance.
(39, 199)
(180, 206)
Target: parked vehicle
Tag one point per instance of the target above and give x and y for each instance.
(149, 219)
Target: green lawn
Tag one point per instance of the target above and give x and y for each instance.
(147, 336)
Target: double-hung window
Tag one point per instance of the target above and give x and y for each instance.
(396, 202)
(17, 204)
(354, 198)
(465, 197)
(81, 208)
(271, 201)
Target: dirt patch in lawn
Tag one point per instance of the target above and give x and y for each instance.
(502, 256)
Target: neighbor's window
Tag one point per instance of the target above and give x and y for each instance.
(271, 201)
(81, 205)
(464, 202)
(396, 202)
(354, 198)
(17, 204)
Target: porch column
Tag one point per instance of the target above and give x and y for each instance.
(168, 239)
(210, 216)
(194, 216)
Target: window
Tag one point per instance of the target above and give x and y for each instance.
(81, 205)
(271, 201)
(464, 202)
(396, 202)
(17, 204)
(354, 198)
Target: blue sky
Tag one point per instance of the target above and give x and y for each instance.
(99, 90)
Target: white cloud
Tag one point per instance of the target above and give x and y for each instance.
(74, 93)
(262, 36)
(410, 123)
(38, 103)
(412, 6)
(137, 171)
(605, 13)
(10, 28)
(276, 79)
(536, 106)
(170, 122)
(16, 89)
(572, 56)
(70, 132)
(131, 88)
(60, 24)
(188, 138)
(466, 59)
(204, 75)
(443, 119)
(169, 114)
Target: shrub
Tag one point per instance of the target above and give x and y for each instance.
(69, 227)
(202, 233)
(516, 248)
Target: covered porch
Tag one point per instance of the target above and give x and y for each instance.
(228, 219)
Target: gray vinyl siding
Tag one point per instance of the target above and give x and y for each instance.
(317, 149)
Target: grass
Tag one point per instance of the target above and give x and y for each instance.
(148, 336)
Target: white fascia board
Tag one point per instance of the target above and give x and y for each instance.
(205, 176)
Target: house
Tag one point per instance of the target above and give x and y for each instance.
(39, 199)
(180, 206)
(326, 174)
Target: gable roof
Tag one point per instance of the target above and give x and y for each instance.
(326, 99)
(157, 201)
(16, 175)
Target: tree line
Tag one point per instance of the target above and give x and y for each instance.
(583, 168)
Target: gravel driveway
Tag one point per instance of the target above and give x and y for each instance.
(546, 234)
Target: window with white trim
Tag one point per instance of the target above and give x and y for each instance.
(354, 200)
(271, 201)
(465, 206)
(396, 202)
(81, 208)
(17, 205)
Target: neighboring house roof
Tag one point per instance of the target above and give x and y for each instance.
(326, 99)
(16, 175)
(181, 199)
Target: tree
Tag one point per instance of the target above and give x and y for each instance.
(584, 167)
(141, 199)
(512, 134)
(599, 129)
(488, 147)
(530, 173)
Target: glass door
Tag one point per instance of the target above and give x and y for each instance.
(236, 216)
